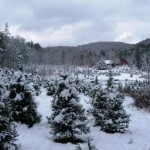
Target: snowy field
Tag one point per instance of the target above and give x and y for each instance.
(39, 138)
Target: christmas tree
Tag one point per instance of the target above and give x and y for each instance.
(99, 107)
(108, 109)
(101, 65)
(8, 132)
(24, 106)
(68, 119)
(115, 118)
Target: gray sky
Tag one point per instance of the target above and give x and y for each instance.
(74, 22)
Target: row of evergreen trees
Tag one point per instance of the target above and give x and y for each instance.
(16, 105)
(68, 119)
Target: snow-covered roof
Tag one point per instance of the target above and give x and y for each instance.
(108, 62)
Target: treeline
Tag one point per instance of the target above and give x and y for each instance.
(139, 55)
(16, 53)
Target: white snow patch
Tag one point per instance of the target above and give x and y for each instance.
(39, 137)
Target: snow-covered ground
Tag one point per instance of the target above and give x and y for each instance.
(39, 138)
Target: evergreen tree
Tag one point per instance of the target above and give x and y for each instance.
(51, 88)
(6, 30)
(68, 119)
(19, 61)
(3, 41)
(24, 106)
(99, 107)
(120, 87)
(94, 88)
(110, 82)
(108, 110)
(101, 65)
(8, 132)
(37, 84)
(115, 118)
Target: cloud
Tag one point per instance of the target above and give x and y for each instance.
(132, 31)
(73, 22)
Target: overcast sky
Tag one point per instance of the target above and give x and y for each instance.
(74, 22)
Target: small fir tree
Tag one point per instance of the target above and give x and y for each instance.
(68, 119)
(115, 118)
(37, 84)
(8, 132)
(110, 82)
(108, 110)
(24, 106)
(51, 88)
(99, 107)
(19, 60)
(101, 65)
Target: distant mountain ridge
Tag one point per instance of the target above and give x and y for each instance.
(99, 46)
(86, 53)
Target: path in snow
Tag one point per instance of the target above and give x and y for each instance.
(136, 138)
(38, 137)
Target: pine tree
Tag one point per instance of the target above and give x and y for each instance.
(6, 30)
(94, 88)
(108, 110)
(37, 84)
(3, 41)
(115, 118)
(51, 88)
(24, 106)
(110, 82)
(101, 65)
(68, 119)
(8, 132)
(99, 107)
(19, 61)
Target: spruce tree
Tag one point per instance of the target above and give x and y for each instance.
(110, 82)
(51, 88)
(8, 132)
(99, 107)
(108, 109)
(115, 117)
(19, 60)
(68, 119)
(24, 107)
(94, 88)
(101, 65)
